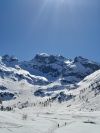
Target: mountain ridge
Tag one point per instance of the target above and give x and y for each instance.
(53, 67)
(45, 76)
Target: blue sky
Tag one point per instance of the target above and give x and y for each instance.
(67, 27)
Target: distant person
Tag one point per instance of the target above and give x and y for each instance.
(58, 125)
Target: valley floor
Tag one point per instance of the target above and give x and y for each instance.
(32, 120)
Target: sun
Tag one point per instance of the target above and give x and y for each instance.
(56, 7)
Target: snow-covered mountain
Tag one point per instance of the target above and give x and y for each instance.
(87, 94)
(55, 67)
(44, 69)
(10, 68)
(48, 76)
(50, 107)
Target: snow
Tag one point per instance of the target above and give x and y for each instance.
(44, 54)
(77, 115)
(41, 119)
(46, 121)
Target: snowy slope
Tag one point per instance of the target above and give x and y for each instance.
(39, 105)
(9, 68)
(87, 94)
(48, 123)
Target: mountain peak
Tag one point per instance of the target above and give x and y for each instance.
(43, 54)
(46, 58)
(80, 59)
(9, 58)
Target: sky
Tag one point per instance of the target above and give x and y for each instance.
(67, 27)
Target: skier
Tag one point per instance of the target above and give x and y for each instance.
(58, 125)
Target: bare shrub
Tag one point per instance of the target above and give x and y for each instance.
(24, 116)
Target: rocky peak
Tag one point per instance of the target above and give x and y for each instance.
(87, 63)
(9, 61)
(80, 59)
(49, 59)
(8, 58)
